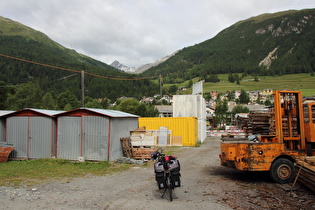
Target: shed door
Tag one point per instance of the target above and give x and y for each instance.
(17, 134)
(95, 139)
(40, 137)
(69, 138)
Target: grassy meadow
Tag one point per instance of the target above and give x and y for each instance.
(296, 82)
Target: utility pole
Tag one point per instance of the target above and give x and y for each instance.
(161, 85)
(82, 88)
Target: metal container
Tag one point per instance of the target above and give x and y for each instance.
(185, 128)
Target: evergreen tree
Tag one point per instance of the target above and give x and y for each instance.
(26, 95)
(48, 102)
(67, 99)
(244, 97)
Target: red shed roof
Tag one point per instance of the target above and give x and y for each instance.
(104, 112)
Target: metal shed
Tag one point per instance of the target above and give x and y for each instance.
(93, 134)
(2, 123)
(32, 133)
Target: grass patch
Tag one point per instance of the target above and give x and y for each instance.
(30, 172)
(295, 82)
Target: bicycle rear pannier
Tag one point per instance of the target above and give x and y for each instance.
(174, 165)
(159, 177)
(175, 178)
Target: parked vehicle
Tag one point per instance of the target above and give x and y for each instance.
(291, 137)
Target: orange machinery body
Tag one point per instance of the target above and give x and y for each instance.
(309, 122)
(288, 141)
(251, 156)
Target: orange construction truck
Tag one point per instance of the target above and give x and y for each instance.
(291, 136)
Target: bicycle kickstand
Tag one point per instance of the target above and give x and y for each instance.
(164, 192)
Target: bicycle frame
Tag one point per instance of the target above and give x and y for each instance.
(168, 184)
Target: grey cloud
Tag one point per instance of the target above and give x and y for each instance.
(139, 31)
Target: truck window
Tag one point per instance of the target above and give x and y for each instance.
(313, 113)
(306, 114)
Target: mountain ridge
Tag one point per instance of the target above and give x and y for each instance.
(141, 68)
(25, 43)
(282, 43)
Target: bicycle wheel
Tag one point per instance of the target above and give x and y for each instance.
(170, 187)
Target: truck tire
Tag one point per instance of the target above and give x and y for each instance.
(282, 171)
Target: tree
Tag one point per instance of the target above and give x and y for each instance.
(268, 102)
(4, 91)
(105, 103)
(26, 95)
(141, 110)
(93, 104)
(68, 107)
(207, 97)
(48, 102)
(172, 89)
(190, 83)
(221, 111)
(128, 105)
(67, 98)
(244, 97)
(239, 109)
(231, 95)
(152, 112)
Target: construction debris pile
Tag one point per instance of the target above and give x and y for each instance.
(306, 172)
(140, 144)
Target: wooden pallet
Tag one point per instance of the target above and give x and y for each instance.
(142, 153)
(126, 147)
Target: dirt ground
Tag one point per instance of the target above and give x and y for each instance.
(205, 185)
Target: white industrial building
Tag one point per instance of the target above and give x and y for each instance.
(191, 106)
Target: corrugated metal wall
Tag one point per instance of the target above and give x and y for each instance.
(187, 127)
(30, 136)
(68, 138)
(85, 136)
(120, 127)
(95, 141)
(17, 134)
(40, 137)
(2, 123)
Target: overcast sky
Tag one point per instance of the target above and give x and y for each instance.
(136, 32)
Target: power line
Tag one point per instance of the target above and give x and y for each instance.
(72, 70)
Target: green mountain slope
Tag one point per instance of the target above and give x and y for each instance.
(269, 44)
(22, 42)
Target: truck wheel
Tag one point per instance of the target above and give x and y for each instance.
(282, 171)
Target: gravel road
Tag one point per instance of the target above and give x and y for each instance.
(205, 185)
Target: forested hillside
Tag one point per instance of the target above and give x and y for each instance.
(269, 44)
(22, 42)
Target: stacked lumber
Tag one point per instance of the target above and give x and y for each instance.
(242, 122)
(259, 122)
(143, 153)
(306, 173)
